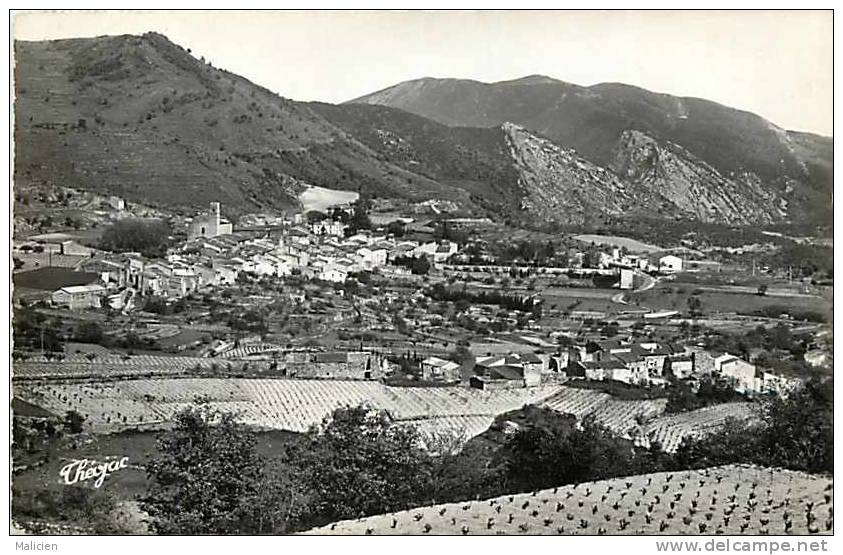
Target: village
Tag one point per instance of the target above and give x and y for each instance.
(309, 295)
(454, 273)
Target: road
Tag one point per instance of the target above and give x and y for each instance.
(649, 283)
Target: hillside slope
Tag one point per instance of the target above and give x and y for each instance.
(730, 500)
(474, 159)
(592, 120)
(140, 117)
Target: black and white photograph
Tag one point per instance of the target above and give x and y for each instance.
(423, 273)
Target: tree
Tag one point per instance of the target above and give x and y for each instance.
(694, 305)
(396, 228)
(314, 216)
(555, 451)
(360, 213)
(359, 462)
(800, 430)
(149, 237)
(210, 479)
(418, 265)
(795, 432)
(73, 422)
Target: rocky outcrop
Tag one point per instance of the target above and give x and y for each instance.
(561, 186)
(694, 188)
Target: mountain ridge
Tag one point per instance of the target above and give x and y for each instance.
(592, 119)
(140, 117)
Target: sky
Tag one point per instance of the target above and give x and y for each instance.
(774, 63)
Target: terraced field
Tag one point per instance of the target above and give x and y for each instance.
(622, 417)
(110, 366)
(295, 405)
(282, 404)
(731, 500)
(670, 430)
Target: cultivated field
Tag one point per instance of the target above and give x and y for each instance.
(295, 405)
(79, 366)
(670, 430)
(731, 500)
(280, 404)
(643, 420)
(620, 416)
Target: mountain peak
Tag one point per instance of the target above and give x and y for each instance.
(535, 79)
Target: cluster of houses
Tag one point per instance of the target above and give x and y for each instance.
(666, 264)
(319, 251)
(216, 255)
(637, 363)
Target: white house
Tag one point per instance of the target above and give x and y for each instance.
(371, 258)
(333, 273)
(670, 263)
(739, 372)
(439, 251)
(328, 227)
(438, 369)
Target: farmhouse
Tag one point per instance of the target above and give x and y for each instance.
(438, 369)
(609, 369)
(681, 366)
(357, 365)
(79, 297)
(739, 372)
(645, 362)
(513, 370)
(438, 251)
